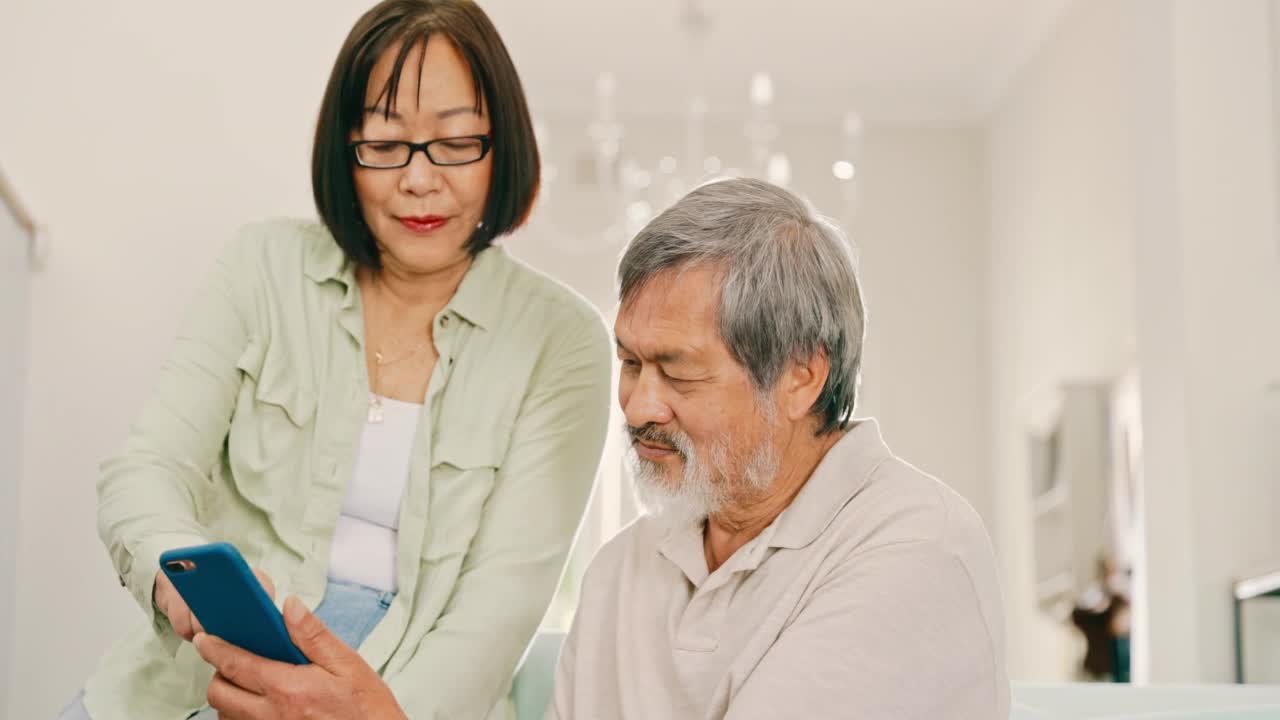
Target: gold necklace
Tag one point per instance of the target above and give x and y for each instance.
(375, 397)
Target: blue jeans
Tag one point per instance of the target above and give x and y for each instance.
(350, 611)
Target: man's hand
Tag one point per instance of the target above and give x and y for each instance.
(184, 622)
(337, 685)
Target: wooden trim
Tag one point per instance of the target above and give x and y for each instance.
(10, 198)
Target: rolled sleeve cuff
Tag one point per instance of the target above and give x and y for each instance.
(141, 580)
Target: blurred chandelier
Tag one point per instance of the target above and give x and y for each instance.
(634, 190)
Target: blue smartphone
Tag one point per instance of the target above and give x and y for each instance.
(228, 600)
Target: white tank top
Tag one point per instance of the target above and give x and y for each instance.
(364, 542)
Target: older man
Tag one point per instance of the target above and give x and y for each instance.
(788, 565)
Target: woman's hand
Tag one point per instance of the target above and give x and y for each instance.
(337, 685)
(184, 622)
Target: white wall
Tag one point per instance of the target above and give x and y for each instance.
(1134, 205)
(13, 359)
(1209, 318)
(142, 148)
(921, 227)
(1061, 269)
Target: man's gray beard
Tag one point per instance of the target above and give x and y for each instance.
(708, 484)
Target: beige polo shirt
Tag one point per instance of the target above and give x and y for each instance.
(874, 595)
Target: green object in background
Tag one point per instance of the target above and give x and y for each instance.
(531, 689)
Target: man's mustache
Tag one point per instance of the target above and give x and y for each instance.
(651, 434)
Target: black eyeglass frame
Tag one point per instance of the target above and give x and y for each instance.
(486, 144)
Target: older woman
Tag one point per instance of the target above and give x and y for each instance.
(389, 416)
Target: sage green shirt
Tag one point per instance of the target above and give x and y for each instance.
(250, 437)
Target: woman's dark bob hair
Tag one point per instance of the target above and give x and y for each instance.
(406, 24)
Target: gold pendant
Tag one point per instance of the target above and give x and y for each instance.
(375, 402)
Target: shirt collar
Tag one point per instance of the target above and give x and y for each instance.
(683, 547)
(325, 261)
(475, 300)
(841, 474)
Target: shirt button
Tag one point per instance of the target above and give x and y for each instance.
(444, 321)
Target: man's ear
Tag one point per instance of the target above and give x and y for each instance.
(801, 384)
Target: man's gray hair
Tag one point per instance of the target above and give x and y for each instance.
(789, 287)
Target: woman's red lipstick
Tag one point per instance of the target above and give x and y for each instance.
(423, 223)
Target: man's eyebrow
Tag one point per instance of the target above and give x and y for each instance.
(669, 356)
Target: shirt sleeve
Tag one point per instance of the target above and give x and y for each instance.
(560, 706)
(464, 664)
(149, 491)
(895, 632)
